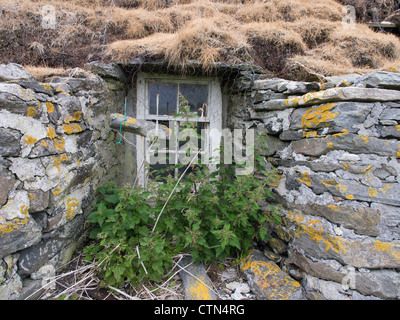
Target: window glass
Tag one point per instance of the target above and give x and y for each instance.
(168, 95)
(196, 95)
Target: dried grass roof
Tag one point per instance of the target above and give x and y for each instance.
(284, 37)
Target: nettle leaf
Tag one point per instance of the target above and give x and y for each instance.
(112, 198)
(169, 222)
(144, 230)
(263, 234)
(118, 271)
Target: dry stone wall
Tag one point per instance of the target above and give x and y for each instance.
(336, 148)
(56, 147)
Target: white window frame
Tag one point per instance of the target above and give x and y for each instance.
(214, 115)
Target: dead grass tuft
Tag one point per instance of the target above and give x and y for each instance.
(277, 35)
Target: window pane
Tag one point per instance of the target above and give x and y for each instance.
(168, 94)
(196, 95)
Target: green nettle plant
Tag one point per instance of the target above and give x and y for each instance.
(212, 215)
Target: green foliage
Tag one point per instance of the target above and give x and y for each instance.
(212, 215)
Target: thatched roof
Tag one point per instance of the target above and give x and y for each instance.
(290, 38)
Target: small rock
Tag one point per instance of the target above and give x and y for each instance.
(267, 280)
(14, 71)
(229, 274)
(193, 288)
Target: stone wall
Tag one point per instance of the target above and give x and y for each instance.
(336, 148)
(56, 148)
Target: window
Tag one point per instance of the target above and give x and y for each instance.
(160, 98)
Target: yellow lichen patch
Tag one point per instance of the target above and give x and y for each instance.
(60, 90)
(78, 115)
(364, 138)
(349, 197)
(30, 140)
(315, 231)
(333, 207)
(46, 86)
(56, 191)
(274, 284)
(386, 188)
(330, 145)
(304, 178)
(367, 169)
(308, 134)
(328, 241)
(31, 111)
(372, 192)
(332, 183)
(71, 128)
(199, 291)
(72, 205)
(131, 120)
(58, 160)
(398, 152)
(44, 143)
(51, 133)
(316, 116)
(386, 247)
(59, 144)
(343, 133)
(50, 107)
(292, 101)
(7, 227)
(329, 182)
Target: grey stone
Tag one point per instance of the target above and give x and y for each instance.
(317, 239)
(379, 79)
(380, 283)
(267, 280)
(273, 145)
(107, 70)
(193, 288)
(341, 114)
(389, 221)
(344, 94)
(267, 84)
(277, 104)
(351, 189)
(137, 126)
(341, 81)
(36, 86)
(20, 234)
(15, 99)
(41, 219)
(39, 200)
(11, 289)
(291, 135)
(7, 182)
(31, 290)
(348, 142)
(32, 258)
(14, 71)
(9, 142)
(390, 114)
(264, 95)
(391, 131)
